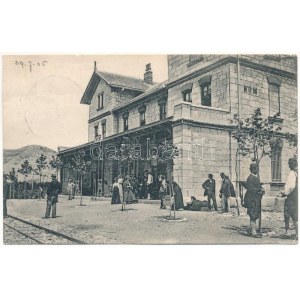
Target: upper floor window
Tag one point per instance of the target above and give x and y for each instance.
(125, 121)
(186, 91)
(205, 86)
(125, 124)
(162, 103)
(142, 111)
(103, 128)
(142, 119)
(96, 130)
(274, 95)
(187, 96)
(100, 100)
(162, 111)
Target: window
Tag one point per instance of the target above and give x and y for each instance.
(142, 111)
(186, 91)
(187, 96)
(142, 119)
(103, 130)
(274, 99)
(96, 131)
(162, 111)
(276, 160)
(125, 124)
(100, 100)
(274, 95)
(125, 116)
(205, 86)
(250, 90)
(206, 95)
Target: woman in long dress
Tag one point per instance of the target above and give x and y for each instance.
(129, 196)
(178, 196)
(115, 198)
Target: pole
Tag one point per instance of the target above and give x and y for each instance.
(80, 189)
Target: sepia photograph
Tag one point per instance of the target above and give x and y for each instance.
(171, 149)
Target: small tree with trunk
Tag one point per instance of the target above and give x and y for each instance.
(25, 170)
(79, 164)
(257, 136)
(41, 164)
(56, 163)
(13, 179)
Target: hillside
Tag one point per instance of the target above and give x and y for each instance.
(13, 158)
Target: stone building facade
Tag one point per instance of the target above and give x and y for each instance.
(193, 109)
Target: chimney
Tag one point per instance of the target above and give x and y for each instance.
(148, 76)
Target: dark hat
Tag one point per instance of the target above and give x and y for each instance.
(210, 175)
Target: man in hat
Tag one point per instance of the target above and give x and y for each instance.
(54, 189)
(225, 191)
(252, 200)
(210, 191)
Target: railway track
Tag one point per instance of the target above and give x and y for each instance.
(39, 234)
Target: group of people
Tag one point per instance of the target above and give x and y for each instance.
(226, 191)
(167, 190)
(71, 188)
(124, 189)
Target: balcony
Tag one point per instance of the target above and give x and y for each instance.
(202, 114)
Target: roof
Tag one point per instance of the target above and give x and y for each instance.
(114, 80)
(150, 91)
(124, 81)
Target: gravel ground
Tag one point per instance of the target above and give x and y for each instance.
(99, 222)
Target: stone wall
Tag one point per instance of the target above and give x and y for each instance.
(203, 151)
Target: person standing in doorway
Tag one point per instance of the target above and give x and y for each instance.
(54, 189)
(210, 191)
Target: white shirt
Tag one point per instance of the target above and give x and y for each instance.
(290, 183)
(149, 179)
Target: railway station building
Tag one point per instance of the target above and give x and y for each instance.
(193, 110)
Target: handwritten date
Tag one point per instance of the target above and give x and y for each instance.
(30, 64)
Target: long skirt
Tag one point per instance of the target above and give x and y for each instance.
(115, 198)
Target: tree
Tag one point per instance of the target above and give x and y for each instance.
(293, 138)
(25, 170)
(13, 180)
(257, 137)
(79, 164)
(41, 164)
(56, 163)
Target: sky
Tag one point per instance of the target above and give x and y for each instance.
(41, 95)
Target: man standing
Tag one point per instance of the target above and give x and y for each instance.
(210, 191)
(54, 188)
(149, 185)
(162, 191)
(225, 191)
(291, 194)
(70, 189)
(5, 195)
(253, 197)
